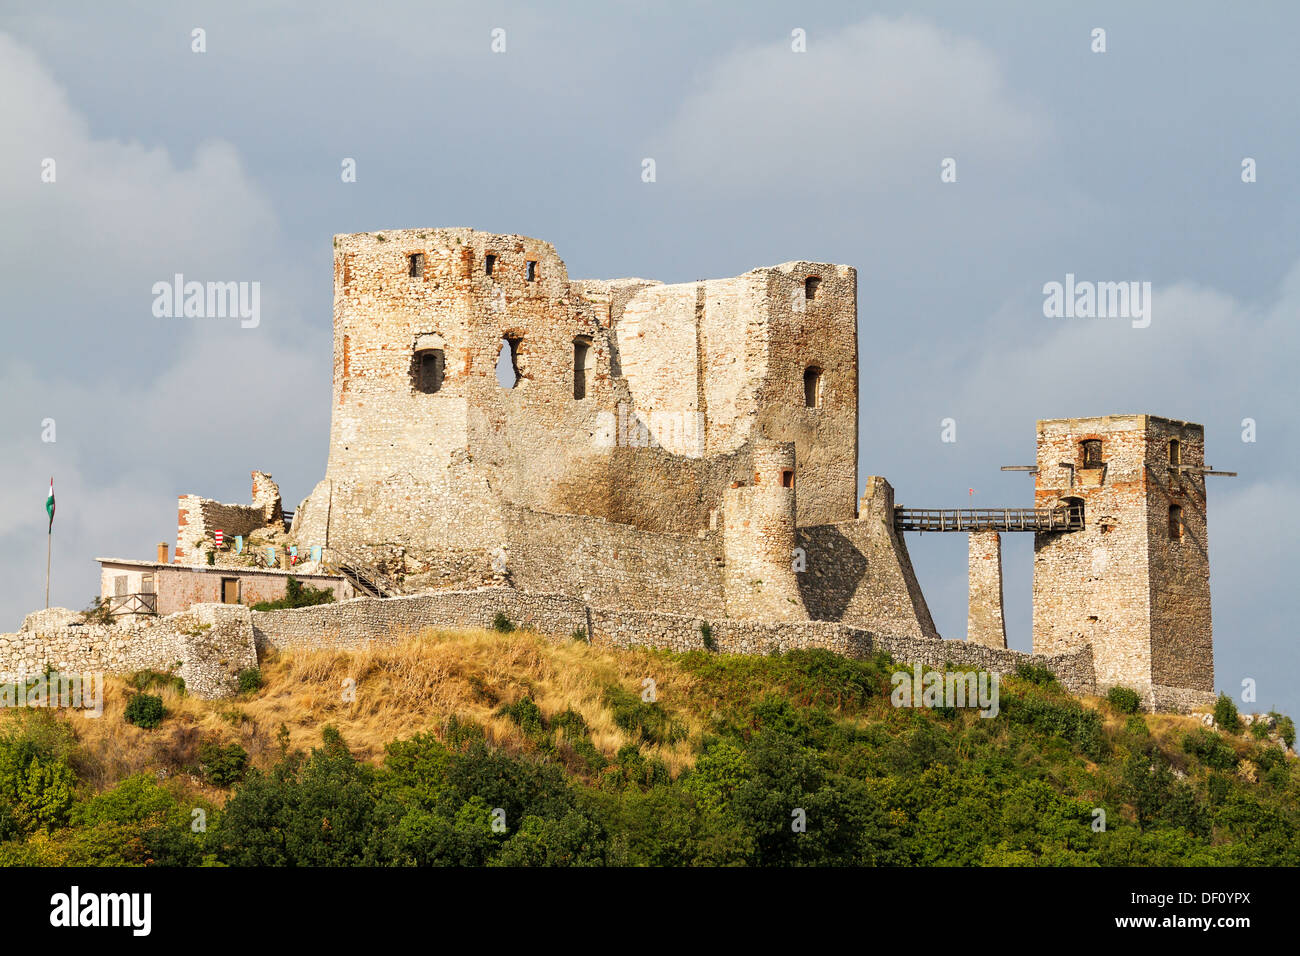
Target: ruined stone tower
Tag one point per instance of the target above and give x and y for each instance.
(1134, 583)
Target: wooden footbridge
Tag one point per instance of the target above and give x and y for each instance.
(1061, 518)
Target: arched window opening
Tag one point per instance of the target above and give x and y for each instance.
(1074, 510)
(812, 387)
(581, 352)
(1175, 453)
(428, 369)
(508, 362)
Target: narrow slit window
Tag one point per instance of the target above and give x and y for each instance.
(812, 387)
(1092, 453)
(415, 265)
(581, 352)
(531, 270)
(1175, 453)
(1175, 522)
(489, 263)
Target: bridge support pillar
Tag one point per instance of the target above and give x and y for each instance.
(985, 623)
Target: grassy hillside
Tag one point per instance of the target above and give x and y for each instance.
(486, 748)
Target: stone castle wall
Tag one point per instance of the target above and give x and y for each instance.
(207, 646)
(364, 621)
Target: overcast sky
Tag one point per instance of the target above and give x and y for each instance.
(225, 165)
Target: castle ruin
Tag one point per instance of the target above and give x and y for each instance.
(644, 462)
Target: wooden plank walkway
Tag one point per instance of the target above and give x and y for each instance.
(988, 519)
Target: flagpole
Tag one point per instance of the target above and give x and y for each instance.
(49, 539)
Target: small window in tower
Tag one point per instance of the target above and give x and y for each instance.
(531, 275)
(787, 478)
(1175, 453)
(489, 263)
(581, 350)
(1092, 453)
(812, 387)
(508, 362)
(430, 365)
(1175, 522)
(810, 286)
(415, 265)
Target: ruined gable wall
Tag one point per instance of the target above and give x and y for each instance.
(819, 332)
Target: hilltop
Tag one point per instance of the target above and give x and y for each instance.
(480, 747)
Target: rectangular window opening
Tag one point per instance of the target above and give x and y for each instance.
(415, 265)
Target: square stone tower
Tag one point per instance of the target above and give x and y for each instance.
(1135, 582)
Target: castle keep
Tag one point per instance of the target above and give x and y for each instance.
(676, 465)
(664, 447)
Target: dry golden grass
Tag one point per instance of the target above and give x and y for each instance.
(410, 685)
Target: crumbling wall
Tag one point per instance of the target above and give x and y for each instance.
(198, 518)
(207, 645)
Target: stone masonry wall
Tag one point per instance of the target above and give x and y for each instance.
(359, 622)
(208, 646)
(984, 619)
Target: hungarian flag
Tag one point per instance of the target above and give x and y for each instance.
(49, 507)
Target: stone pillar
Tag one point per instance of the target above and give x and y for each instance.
(984, 620)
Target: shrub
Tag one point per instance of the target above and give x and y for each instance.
(1285, 728)
(1259, 730)
(644, 721)
(297, 594)
(1035, 674)
(579, 634)
(1124, 699)
(1210, 749)
(250, 680)
(222, 766)
(526, 714)
(1225, 714)
(501, 623)
(145, 710)
(97, 612)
